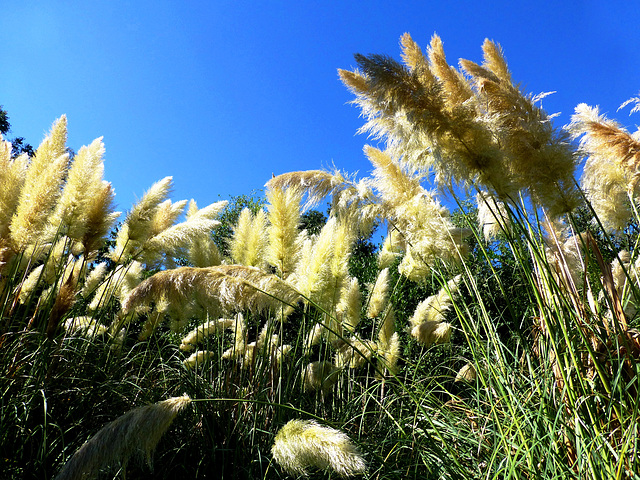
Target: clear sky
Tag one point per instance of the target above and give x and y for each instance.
(223, 94)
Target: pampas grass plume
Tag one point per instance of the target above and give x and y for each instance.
(320, 376)
(198, 358)
(301, 444)
(379, 295)
(466, 374)
(202, 332)
(431, 332)
(136, 432)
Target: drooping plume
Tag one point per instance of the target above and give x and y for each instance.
(611, 171)
(229, 288)
(136, 433)
(303, 444)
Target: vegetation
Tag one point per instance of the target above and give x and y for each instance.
(19, 145)
(259, 340)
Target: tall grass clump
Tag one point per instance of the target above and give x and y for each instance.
(546, 311)
(492, 334)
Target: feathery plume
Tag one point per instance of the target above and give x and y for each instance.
(65, 297)
(380, 294)
(455, 87)
(202, 332)
(211, 211)
(431, 332)
(495, 61)
(313, 337)
(388, 344)
(117, 285)
(390, 353)
(605, 185)
(138, 225)
(42, 187)
(29, 285)
(198, 358)
(412, 55)
(241, 232)
(493, 217)
(320, 376)
(466, 374)
(313, 276)
(611, 171)
(284, 241)
(301, 444)
(540, 159)
(203, 251)
(387, 329)
(317, 184)
(228, 287)
(12, 178)
(424, 223)
(343, 240)
(281, 352)
(174, 240)
(100, 218)
(88, 326)
(620, 264)
(433, 309)
(83, 183)
(94, 278)
(166, 216)
(392, 248)
(249, 240)
(56, 258)
(239, 347)
(350, 305)
(563, 252)
(137, 432)
(605, 138)
(477, 131)
(355, 352)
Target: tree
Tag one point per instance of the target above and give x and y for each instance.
(229, 217)
(19, 144)
(312, 221)
(4, 121)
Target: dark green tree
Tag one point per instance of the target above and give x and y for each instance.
(229, 216)
(312, 221)
(19, 144)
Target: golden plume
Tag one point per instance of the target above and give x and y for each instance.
(227, 287)
(301, 444)
(41, 189)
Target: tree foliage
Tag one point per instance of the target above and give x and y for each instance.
(229, 217)
(19, 144)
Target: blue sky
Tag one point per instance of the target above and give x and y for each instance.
(221, 94)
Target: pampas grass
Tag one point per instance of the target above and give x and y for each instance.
(137, 432)
(302, 444)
